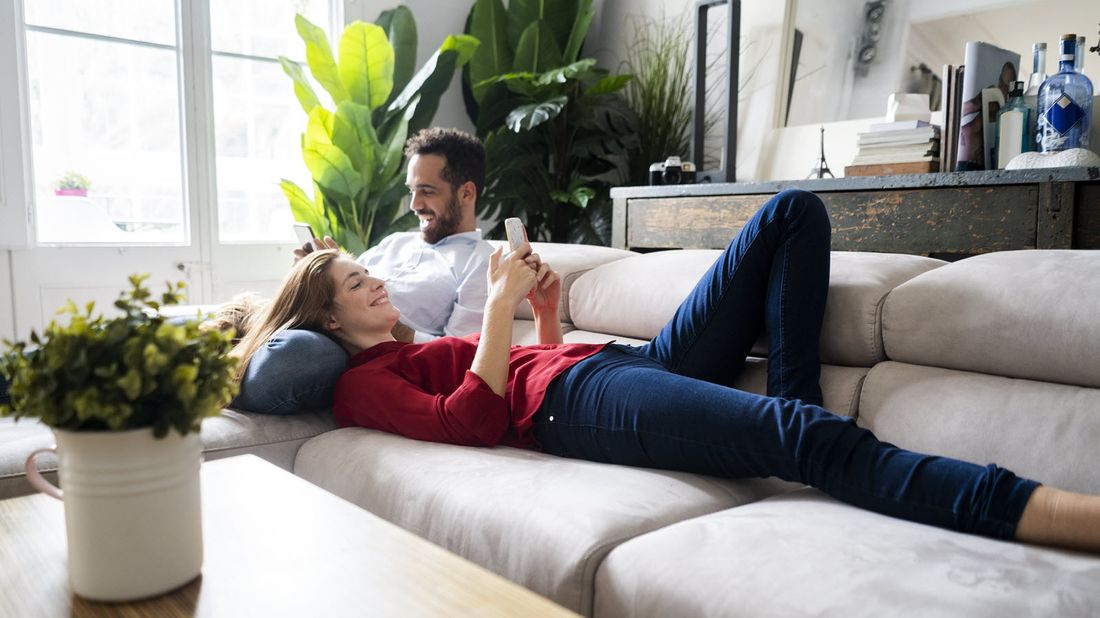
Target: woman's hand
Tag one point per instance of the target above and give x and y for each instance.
(546, 295)
(510, 277)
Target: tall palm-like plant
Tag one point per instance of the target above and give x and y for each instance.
(555, 126)
(355, 151)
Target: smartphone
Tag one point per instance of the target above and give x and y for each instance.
(516, 231)
(304, 232)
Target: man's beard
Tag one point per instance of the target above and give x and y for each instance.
(445, 223)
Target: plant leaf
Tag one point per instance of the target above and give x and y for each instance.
(332, 170)
(609, 84)
(307, 98)
(353, 133)
(558, 15)
(320, 60)
(489, 23)
(366, 64)
(318, 127)
(563, 74)
(432, 80)
(584, 14)
(302, 207)
(400, 29)
(536, 50)
(527, 117)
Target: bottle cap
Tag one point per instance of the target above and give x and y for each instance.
(1069, 37)
(1039, 46)
(1017, 89)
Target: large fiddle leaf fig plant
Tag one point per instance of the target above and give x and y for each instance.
(555, 126)
(355, 151)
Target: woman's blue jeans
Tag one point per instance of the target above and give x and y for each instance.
(669, 404)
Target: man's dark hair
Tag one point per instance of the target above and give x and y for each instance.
(464, 154)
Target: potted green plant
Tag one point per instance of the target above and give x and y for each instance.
(355, 151)
(124, 397)
(72, 183)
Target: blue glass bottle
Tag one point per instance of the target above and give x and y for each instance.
(1065, 104)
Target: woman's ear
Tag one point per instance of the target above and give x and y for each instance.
(331, 323)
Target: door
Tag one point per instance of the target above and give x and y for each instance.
(153, 138)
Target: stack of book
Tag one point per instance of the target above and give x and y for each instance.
(902, 147)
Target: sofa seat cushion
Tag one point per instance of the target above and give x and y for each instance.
(636, 297)
(1047, 432)
(1024, 314)
(275, 438)
(805, 554)
(542, 521)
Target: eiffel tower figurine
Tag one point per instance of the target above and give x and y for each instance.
(822, 167)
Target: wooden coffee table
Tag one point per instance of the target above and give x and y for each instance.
(274, 545)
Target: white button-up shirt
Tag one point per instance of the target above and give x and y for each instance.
(440, 289)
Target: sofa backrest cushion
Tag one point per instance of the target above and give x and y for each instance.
(570, 262)
(1024, 314)
(1047, 432)
(636, 297)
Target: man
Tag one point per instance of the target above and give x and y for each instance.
(436, 277)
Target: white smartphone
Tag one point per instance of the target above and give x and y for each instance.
(516, 231)
(304, 232)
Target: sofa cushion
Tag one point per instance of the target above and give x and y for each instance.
(570, 262)
(804, 554)
(1024, 314)
(275, 438)
(539, 520)
(635, 298)
(1048, 432)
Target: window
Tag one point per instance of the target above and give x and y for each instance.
(110, 140)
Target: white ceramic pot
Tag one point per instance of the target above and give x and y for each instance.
(132, 510)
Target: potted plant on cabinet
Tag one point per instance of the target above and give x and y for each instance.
(72, 183)
(124, 397)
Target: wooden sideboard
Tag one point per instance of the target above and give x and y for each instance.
(948, 215)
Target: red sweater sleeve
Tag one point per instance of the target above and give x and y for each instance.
(472, 415)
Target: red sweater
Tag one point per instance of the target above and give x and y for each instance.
(426, 391)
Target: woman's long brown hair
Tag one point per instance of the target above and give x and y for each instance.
(304, 300)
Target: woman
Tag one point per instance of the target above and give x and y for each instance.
(667, 404)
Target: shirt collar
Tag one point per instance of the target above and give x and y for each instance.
(375, 351)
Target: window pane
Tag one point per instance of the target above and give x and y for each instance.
(141, 20)
(257, 127)
(263, 27)
(257, 119)
(109, 112)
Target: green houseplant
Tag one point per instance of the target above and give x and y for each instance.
(555, 126)
(125, 397)
(72, 183)
(355, 151)
(133, 371)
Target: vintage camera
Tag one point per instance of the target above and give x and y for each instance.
(672, 171)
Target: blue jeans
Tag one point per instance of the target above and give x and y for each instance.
(295, 370)
(668, 404)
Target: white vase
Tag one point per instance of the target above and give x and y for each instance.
(132, 510)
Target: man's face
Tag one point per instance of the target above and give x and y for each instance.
(433, 200)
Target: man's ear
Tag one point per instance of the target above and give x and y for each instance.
(468, 192)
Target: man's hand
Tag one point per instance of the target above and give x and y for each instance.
(401, 332)
(314, 245)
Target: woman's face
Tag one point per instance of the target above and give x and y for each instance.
(361, 307)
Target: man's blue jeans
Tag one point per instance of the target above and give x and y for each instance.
(668, 404)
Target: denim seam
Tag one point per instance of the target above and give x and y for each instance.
(783, 350)
(678, 363)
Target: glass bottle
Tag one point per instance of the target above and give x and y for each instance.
(1034, 82)
(1013, 127)
(1065, 104)
(1079, 58)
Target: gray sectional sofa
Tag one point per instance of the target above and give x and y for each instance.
(994, 358)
